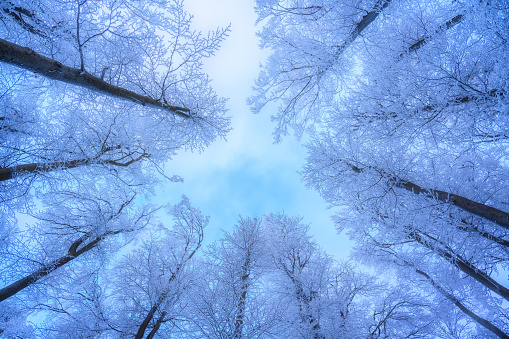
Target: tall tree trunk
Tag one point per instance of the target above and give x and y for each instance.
(363, 24)
(72, 254)
(463, 265)
(28, 59)
(481, 321)
(9, 172)
(241, 304)
(156, 326)
(150, 315)
(492, 214)
(162, 297)
(304, 307)
(442, 28)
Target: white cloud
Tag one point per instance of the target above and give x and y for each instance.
(248, 174)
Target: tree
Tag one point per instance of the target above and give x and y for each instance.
(229, 301)
(149, 282)
(74, 230)
(306, 70)
(410, 137)
(104, 53)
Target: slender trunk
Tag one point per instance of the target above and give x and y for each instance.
(481, 321)
(363, 24)
(487, 212)
(156, 326)
(9, 172)
(464, 265)
(359, 28)
(241, 305)
(28, 59)
(304, 307)
(162, 297)
(442, 28)
(492, 214)
(472, 228)
(26, 281)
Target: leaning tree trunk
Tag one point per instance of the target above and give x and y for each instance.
(492, 214)
(464, 265)
(10, 172)
(28, 280)
(481, 321)
(28, 59)
(161, 298)
(363, 24)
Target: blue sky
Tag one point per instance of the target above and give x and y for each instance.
(246, 175)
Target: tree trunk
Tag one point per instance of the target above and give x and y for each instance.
(156, 326)
(363, 24)
(28, 59)
(492, 214)
(442, 28)
(464, 266)
(9, 172)
(481, 321)
(153, 310)
(241, 305)
(26, 281)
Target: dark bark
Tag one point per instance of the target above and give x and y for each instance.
(304, 303)
(10, 172)
(363, 24)
(481, 321)
(28, 59)
(492, 214)
(162, 297)
(18, 14)
(472, 228)
(241, 304)
(442, 28)
(156, 326)
(150, 315)
(463, 265)
(72, 254)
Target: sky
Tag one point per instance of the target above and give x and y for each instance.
(248, 174)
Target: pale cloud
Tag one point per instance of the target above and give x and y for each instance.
(247, 174)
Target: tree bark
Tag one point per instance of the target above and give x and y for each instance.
(363, 24)
(241, 305)
(28, 59)
(162, 297)
(9, 172)
(304, 301)
(153, 310)
(464, 266)
(492, 214)
(156, 326)
(481, 321)
(73, 253)
(442, 28)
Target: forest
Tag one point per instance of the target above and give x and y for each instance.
(401, 106)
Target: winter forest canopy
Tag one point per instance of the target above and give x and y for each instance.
(402, 106)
